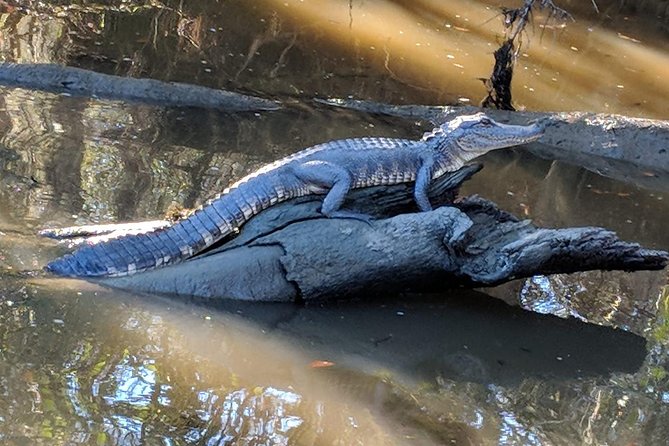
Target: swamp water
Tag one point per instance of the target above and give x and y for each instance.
(81, 364)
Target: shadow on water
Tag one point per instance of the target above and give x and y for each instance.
(109, 366)
(430, 337)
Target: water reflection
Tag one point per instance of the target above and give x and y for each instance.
(165, 371)
(556, 194)
(81, 365)
(629, 302)
(130, 370)
(110, 161)
(126, 370)
(390, 51)
(157, 374)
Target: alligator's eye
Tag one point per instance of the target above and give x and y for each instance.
(486, 121)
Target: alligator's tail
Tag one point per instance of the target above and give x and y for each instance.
(134, 253)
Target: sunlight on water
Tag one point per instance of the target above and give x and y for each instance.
(447, 47)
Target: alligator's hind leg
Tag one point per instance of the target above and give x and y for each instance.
(321, 176)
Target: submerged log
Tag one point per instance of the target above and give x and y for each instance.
(289, 252)
(80, 82)
(634, 150)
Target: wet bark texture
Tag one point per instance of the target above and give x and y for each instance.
(290, 253)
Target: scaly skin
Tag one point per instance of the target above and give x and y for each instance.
(332, 169)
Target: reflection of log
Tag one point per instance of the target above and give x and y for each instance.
(289, 253)
(79, 82)
(446, 346)
(634, 150)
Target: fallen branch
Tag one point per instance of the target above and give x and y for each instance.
(79, 82)
(633, 150)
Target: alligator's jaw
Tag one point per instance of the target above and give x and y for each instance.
(500, 136)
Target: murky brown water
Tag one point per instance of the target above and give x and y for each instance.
(84, 365)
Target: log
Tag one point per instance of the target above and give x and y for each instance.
(79, 82)
(290, 253)
(634, 150)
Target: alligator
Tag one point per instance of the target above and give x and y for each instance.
(329, 169)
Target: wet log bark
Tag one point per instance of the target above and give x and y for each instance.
(634, 150)
(290, 253)
(79, 82)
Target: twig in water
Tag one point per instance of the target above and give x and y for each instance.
(515, 22)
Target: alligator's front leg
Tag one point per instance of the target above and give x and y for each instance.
(323, 176)
(423, 178)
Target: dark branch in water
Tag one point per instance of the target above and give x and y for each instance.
(79, 82)
(515, 21)
(499, 83)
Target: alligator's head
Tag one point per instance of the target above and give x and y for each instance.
(471, 136)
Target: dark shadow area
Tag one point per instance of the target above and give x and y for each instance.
(644, 18)
(461, 336)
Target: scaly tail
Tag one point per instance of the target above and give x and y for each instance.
(134, 253)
